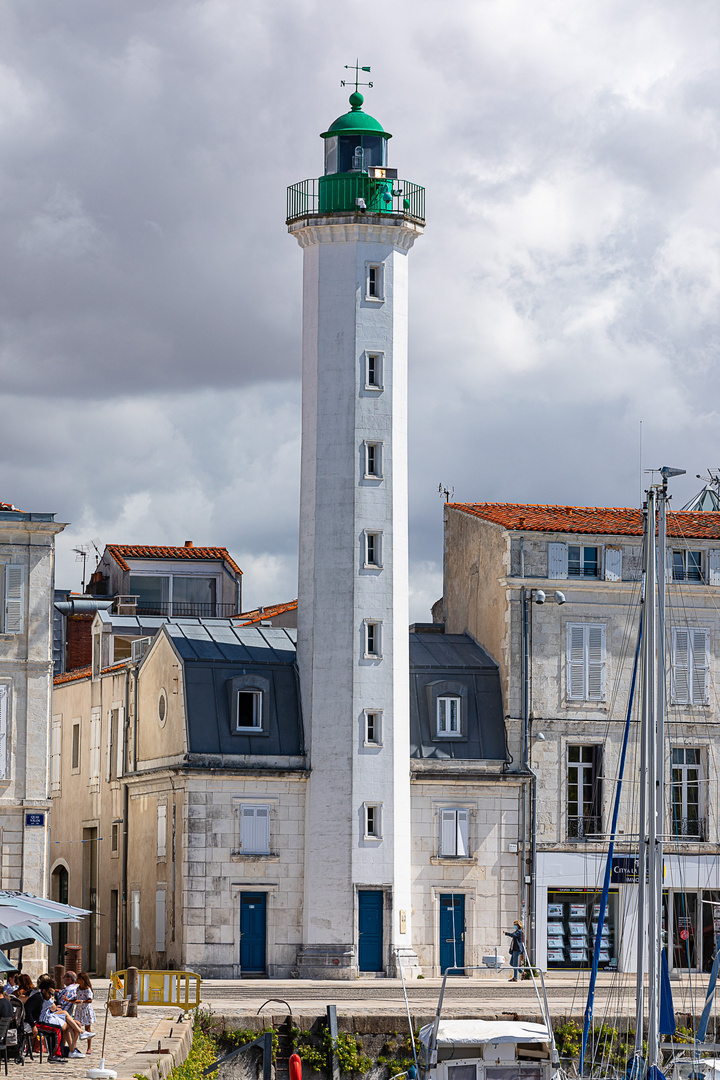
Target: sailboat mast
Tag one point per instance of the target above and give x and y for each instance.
(646, 756)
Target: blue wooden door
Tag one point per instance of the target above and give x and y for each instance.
(370, 930)
(452, 932)
(253, 931)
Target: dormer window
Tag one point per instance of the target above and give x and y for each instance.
(249, 710)
(174, 594)
(449, 715)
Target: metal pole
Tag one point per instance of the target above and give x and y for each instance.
(652, 781)
(525, 599)
(331, 1011)
(658, 791)
(648, 646)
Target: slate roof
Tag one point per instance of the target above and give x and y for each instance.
(600, 520)
(121, 552)
(215, 654)
(454, 663)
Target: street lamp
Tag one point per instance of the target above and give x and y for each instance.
(528, 597)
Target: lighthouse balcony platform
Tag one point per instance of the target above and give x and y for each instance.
(356, 194)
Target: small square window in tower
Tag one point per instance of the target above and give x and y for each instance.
(374, 282)
(373, 822)
(373, 461)
(449, 715)
(249, 710)
(373, 642)
(373, 550)
(373, 371)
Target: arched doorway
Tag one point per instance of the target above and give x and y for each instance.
(60, 891)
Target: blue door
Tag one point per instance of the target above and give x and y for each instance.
(452, 932)
(252, 933)
(370, 930)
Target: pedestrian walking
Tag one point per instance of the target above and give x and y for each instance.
(517, 948)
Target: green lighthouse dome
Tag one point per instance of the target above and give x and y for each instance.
(355, 141)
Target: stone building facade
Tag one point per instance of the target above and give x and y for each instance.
(500, 560)
(27, 561)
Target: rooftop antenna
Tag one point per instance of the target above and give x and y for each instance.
(357, 69)
(449, 493)
(81, 555)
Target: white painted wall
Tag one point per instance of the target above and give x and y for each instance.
(336, 594)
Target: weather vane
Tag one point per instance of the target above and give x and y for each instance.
(357, 69)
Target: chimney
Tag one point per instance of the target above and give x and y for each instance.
(188, 543)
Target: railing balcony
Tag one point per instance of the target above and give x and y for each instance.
(584, 828)
(689, 828)
(132, 605)
(356, 194)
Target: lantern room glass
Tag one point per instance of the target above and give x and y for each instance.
(354, 153)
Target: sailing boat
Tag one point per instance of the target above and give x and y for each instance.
(654, 1059)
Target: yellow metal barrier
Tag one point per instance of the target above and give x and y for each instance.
(181, 989)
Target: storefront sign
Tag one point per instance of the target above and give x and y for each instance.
(625, 870)
(34, 821)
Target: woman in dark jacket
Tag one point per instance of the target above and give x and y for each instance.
(517, 948)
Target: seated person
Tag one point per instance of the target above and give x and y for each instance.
(66, 996)
(52, 1015)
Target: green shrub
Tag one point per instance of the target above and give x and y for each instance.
(203, 1052)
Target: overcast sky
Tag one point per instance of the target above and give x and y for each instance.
(565, 290)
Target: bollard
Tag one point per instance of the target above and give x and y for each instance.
(132, 990)
(58, 975)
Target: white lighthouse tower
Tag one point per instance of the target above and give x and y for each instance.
(355, 225)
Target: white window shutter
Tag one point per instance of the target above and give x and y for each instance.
(120, 735)
(4, 696)
(463, 821)
(557, 561)
(108, 755)
(447, 832)
(14, 599)
(262, 821)
(55, 755)
(699, 667)
(595, 662)
(255, 829)
(161, 829)
(135, 921)
(575, 662)
(160, 920)
(713, 567)
(613, 564)
(681, 666)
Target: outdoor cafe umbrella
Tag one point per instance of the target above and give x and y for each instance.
(18, 908)
(17, 937)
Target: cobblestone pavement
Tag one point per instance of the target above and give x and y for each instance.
(124, 1037)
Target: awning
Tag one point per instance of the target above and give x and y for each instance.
(477, 1032)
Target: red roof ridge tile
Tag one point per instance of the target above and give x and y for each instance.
(256, 615)
(598, 520)
(168, 551)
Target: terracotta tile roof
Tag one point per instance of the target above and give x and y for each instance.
(600, 520)
(247, 618)
(121, 552)
(9, 506)
(73, 676)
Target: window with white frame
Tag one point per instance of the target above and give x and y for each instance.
(373, 727)
(55, 754)
(686, 765)
(373, 639)
(254, 829)
(584, 793)
(454, 833)
(687, 565)
(161, 830)
(449, 715)
(373, 550)
(4, 713)
(249, 710)
(372, 813)
(12, 599)
(373, 371)
(577, 560)
(374, 281)
(160, 918)
(373, 461)
(689, 682)
(75, 746)
(585, 665)
(135, 921)
(94, 762)
(175, 594)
